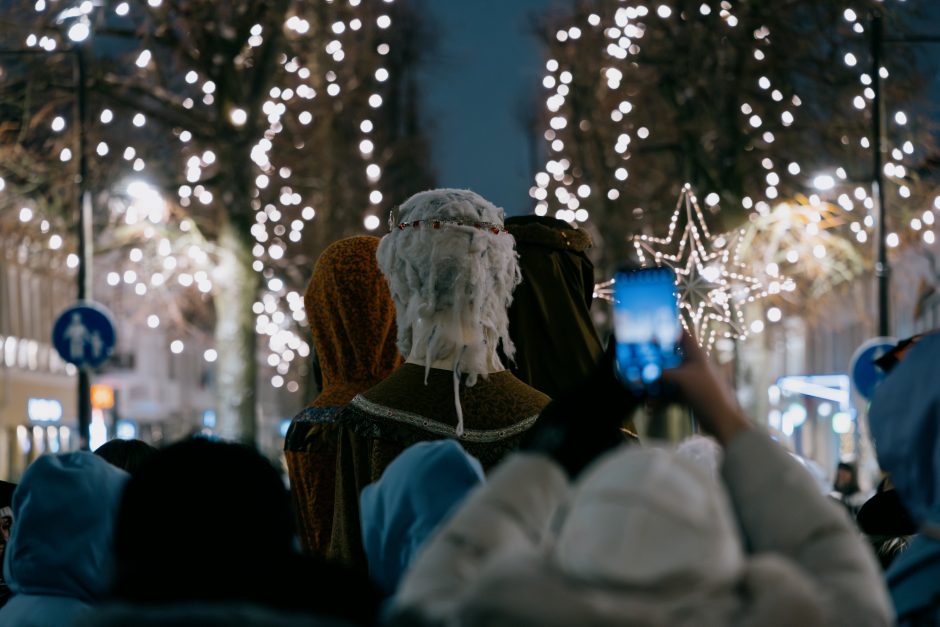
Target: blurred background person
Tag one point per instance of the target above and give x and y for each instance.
(6, 528)
(846, 490)
(128, 455)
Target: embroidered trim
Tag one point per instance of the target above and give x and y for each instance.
(308, 421)
(318, 415)
(417, 420)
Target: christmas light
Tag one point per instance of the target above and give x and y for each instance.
(713, 283)
(602, 149)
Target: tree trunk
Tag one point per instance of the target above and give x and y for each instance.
(235, 289)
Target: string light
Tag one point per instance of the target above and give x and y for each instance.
(607, 52)
(170, 251)
(803, 237)
(712, 281)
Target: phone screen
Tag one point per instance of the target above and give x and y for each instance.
(646, 325)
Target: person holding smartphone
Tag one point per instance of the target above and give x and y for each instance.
(579, 530)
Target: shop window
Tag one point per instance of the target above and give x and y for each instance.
(12, 302)
(9, 352)
(5, 323)
(25, 304)
(122, 361)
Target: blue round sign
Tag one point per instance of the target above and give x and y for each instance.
(84, 335)
(865, 374)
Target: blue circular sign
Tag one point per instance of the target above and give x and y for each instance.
(84, 335)
(865, 374)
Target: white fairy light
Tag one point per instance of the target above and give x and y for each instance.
(238, 116)
(712, 282)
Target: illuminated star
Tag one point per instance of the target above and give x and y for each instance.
(712, 284)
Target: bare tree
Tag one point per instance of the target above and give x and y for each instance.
(231, 141)
(753, 103)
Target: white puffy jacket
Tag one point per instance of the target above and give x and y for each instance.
(505, 557)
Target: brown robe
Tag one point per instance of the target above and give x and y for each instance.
(382, 422)
(352, 323)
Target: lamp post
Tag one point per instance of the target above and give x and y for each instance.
(882, 265)
(882, 269)
(86, 247)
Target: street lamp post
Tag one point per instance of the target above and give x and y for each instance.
(86, 248)
(882, 269)
(882, 265)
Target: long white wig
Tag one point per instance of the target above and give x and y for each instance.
(452, 285)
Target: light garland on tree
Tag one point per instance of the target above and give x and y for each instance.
(168, 251)
(713, 283)
(574, 183)
(798, 235)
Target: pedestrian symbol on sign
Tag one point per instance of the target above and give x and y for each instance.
(84, 335)
(80, 339)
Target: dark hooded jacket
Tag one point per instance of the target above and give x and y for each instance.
(352, 323)
(550, 319)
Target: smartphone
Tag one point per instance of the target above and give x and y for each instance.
(647, 326)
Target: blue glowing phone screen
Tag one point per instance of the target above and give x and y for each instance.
(646, 324)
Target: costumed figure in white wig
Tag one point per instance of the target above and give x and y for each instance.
(451, 267)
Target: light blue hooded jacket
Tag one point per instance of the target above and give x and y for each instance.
(905, 425)
(59, 559)
(413, 497)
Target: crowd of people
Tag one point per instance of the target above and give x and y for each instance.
(470, 460)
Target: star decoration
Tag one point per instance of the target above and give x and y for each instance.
(713, 284)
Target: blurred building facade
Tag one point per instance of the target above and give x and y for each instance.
(795, 377)
(37, 388)
(145, 391)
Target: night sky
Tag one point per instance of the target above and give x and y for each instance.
(486, 68)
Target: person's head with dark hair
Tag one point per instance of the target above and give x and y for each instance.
(201, 520)
(846, 478)
(6, 515)
(208, 521)
(128, 455)
(550, 322)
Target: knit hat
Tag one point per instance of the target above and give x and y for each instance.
(644, 517)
